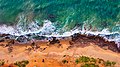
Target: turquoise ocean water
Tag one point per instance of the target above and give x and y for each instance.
(65, 15)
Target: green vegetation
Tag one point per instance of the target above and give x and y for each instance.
(77, 61)
(2, 62)
(113, 63)
(108, 63)
(84, 59)
(92, 62)
(89, 65)
(21, 63)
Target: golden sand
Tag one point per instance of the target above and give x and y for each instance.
(53, 55)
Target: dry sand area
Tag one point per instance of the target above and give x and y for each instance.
(52, 55)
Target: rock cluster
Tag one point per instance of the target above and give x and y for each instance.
(77, 39)
(100, 41)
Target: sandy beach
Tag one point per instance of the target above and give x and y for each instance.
(53, 54)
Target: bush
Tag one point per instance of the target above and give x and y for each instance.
(2, 62)
(85, 65)
(77, 61)
(84, 59)
(108, 63)
(90, 65)
(21, 63)
(113, 63)
(93, 60)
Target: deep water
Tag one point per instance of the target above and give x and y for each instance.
(94, 15)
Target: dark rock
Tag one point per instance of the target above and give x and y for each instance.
(44, 48)
(28, 35)
(34, 46)
(22, 39)
(113, 48)
(37, 37)
(54, 40)
(7, 37)
(75, 36)
(2, 40)
(118, 46)
(43, 60)
(82, 39)
(3, 35)
(71, 43)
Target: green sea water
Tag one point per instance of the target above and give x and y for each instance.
(65, 14)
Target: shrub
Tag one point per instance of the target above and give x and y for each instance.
(108, 63)
(93, 65)
(85, 65)
(90, 65)
(21, 63)
(2, 62)
(84, 59)
(113, 63)
(93, 60)
(77, 61)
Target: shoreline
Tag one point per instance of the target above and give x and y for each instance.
(53, 53)
(102, 42)
(53, 49)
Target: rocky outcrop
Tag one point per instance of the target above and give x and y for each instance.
(77, 39)
(54, 40)
(22, 39)
(100, 41)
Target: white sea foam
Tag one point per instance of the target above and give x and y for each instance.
(48, 30)
(7, 29)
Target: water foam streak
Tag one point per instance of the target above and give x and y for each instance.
(48, 29)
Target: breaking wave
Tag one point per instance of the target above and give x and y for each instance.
(49, 29)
